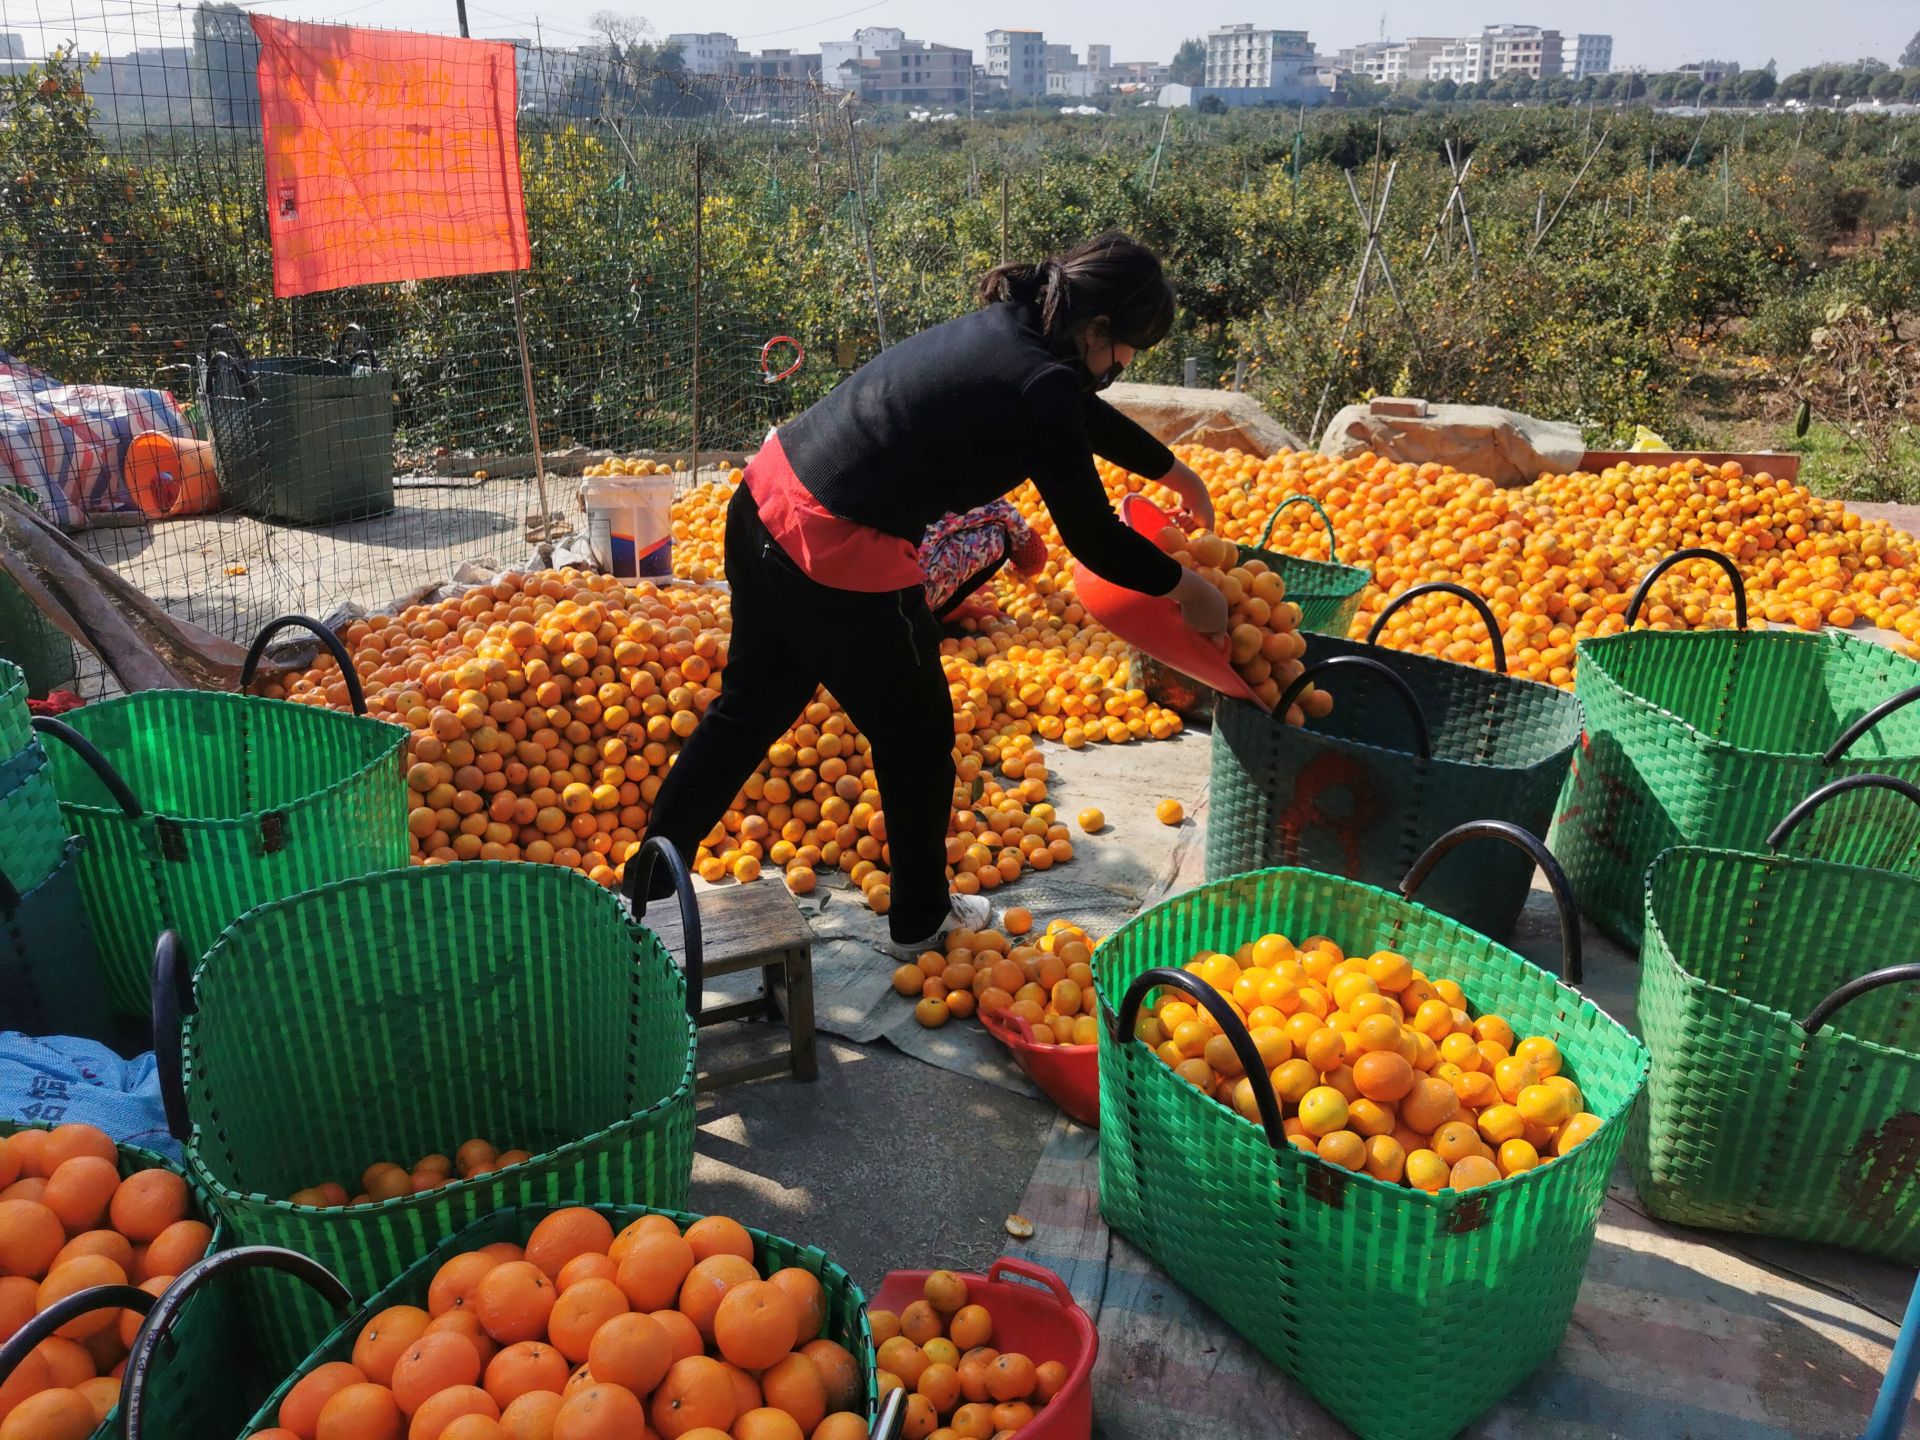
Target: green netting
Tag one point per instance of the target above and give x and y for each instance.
(182, 1406)
(401, 1014)
(1307, 1260)
(846, 1322)
(244, 801)
(33, 837)
(1707, 738)
(50, 980)
(14, 716)
(1749, 1123)
(1347, 793)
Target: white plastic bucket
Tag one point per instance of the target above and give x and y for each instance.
(630, 524)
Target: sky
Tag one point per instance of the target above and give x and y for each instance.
(1653, 33)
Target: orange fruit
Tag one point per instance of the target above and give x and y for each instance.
(796, 1386)
(1323, 1110)
(29, 1377)
(654, 1267)
(524, 1368)
(25, 1189)
(176, 1248)
(755, 1324)
(1515, 1156)
(51, 1415)
(706, 1286)
(1343, 1148)
(1050, 1376)
(474, 1427)
(19, 1303)
(1578, 1129)
(431, 1364)
(972, 1421)
(645, 1225)
(1010, 1377)
(1169, 812)
(809, 1297)
(920, 1322)
(941, 1385)
(600, 1412)
(300, 1411)
(130, 1320)
(971, 1325)
(1383, 1075)
(838, 1372)
(146, 1203)
(80, 1191)
(65, 1142)
(502, 1252)
(841, 1425)
(531, 1417)
(579, 1312)
(746, 1389)
(589, 1266)
(467, 1324)
(387, 1337)
(453, 1283)
(1013, 1416)
(683, 1336)
(921, 1418)
(1544, 1105)
(360, 1412)
(79, 1274)
(1428, 1105)
(514, 1301)
(717, 1235)
(474, 1153)
(945, 1291)
(109, 1243)
(904, 1358)
(103, 1393)
(767, 1424)
(697, 1391)
(1544, 1054)
(68, 1363)
(885, 1324)
(561, 1236)
(631, 1350)
(433, 1418)
(1473, 1170)
(25, 1151)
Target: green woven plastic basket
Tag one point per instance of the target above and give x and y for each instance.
(50, 980)
(1766, 1111)
(846, 1322)
(33, 837)
(1307, 1260)
(1706, 738)
(403, 1013)
(1360, 792)
(201, 1342)
(14, 734)
(196, 806)
(32, 642)
(1328, 595)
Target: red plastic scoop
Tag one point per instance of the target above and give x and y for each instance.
(1152, 623)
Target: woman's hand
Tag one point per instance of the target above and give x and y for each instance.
(1201, 606)
(1192, 491)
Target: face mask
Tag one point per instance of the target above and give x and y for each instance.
(1094, 384)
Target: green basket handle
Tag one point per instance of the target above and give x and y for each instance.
(1572, 953)
(640, 884)
(1867, 721)
(1333, 541)
(1422, 736)
(355, 693)
(1777, 836)
(1437, 587)
(1853, 990)
(892, 1418)
(117, 787)
(1230, 1026)
(69, 1307)
(172, 992)
(1694, 552)
(160, 1320)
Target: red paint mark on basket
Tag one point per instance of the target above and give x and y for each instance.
(1616, 798)
(1890, 1161)
(1331, 772)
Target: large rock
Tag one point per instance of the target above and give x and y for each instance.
(1220, 419)
(1505, 446)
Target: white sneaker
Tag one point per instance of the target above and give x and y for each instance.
(964, 912)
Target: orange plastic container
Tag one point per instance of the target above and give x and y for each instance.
(168, 476)
(1068, 1074)
(1044, 1324)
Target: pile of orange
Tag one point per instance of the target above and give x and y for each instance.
(940, 1350)
(69, 1222)
(1048, 982)
(384, 1180)
(1376, 1067)
(588, 1335)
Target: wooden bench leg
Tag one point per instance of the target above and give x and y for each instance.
(799, 968)
(772, 978)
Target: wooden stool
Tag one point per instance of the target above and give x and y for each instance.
(754, 927)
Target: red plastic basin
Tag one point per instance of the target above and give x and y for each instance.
(1042, 1324)
(1069, 1075)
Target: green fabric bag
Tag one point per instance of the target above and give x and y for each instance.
(403, 1013)
(1705, 738)
(33, 836)
(1307, 1260)
(196, 806)
(1785, 1073)
(1362, 791)
(50, 979)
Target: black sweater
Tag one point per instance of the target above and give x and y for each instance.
(959, 415)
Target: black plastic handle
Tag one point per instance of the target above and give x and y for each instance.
(346, 354)
(1572, 952)
(1867, 721)
(1422, 736)
(891, 1422)
(245, 385)
(172, 993)
(1694, 552)
(1333, 540)
(640, 881)
(233, 349)
(1777, 836)
(1853, 990)
(69, 1307)
(1446, 587)
(1230, 1026)
(160, 1320)
(326, 637)
(9, 896)
(122, 793)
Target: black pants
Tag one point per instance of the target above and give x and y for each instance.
(879, 656)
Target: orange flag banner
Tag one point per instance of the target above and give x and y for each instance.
(389, 156)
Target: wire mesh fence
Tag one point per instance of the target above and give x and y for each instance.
(236, 452)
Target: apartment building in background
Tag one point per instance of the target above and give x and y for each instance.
(1244, 57)
(1017, 61)
(838, 58)
(1711, 72)
(707, 53)
(1584, 55)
